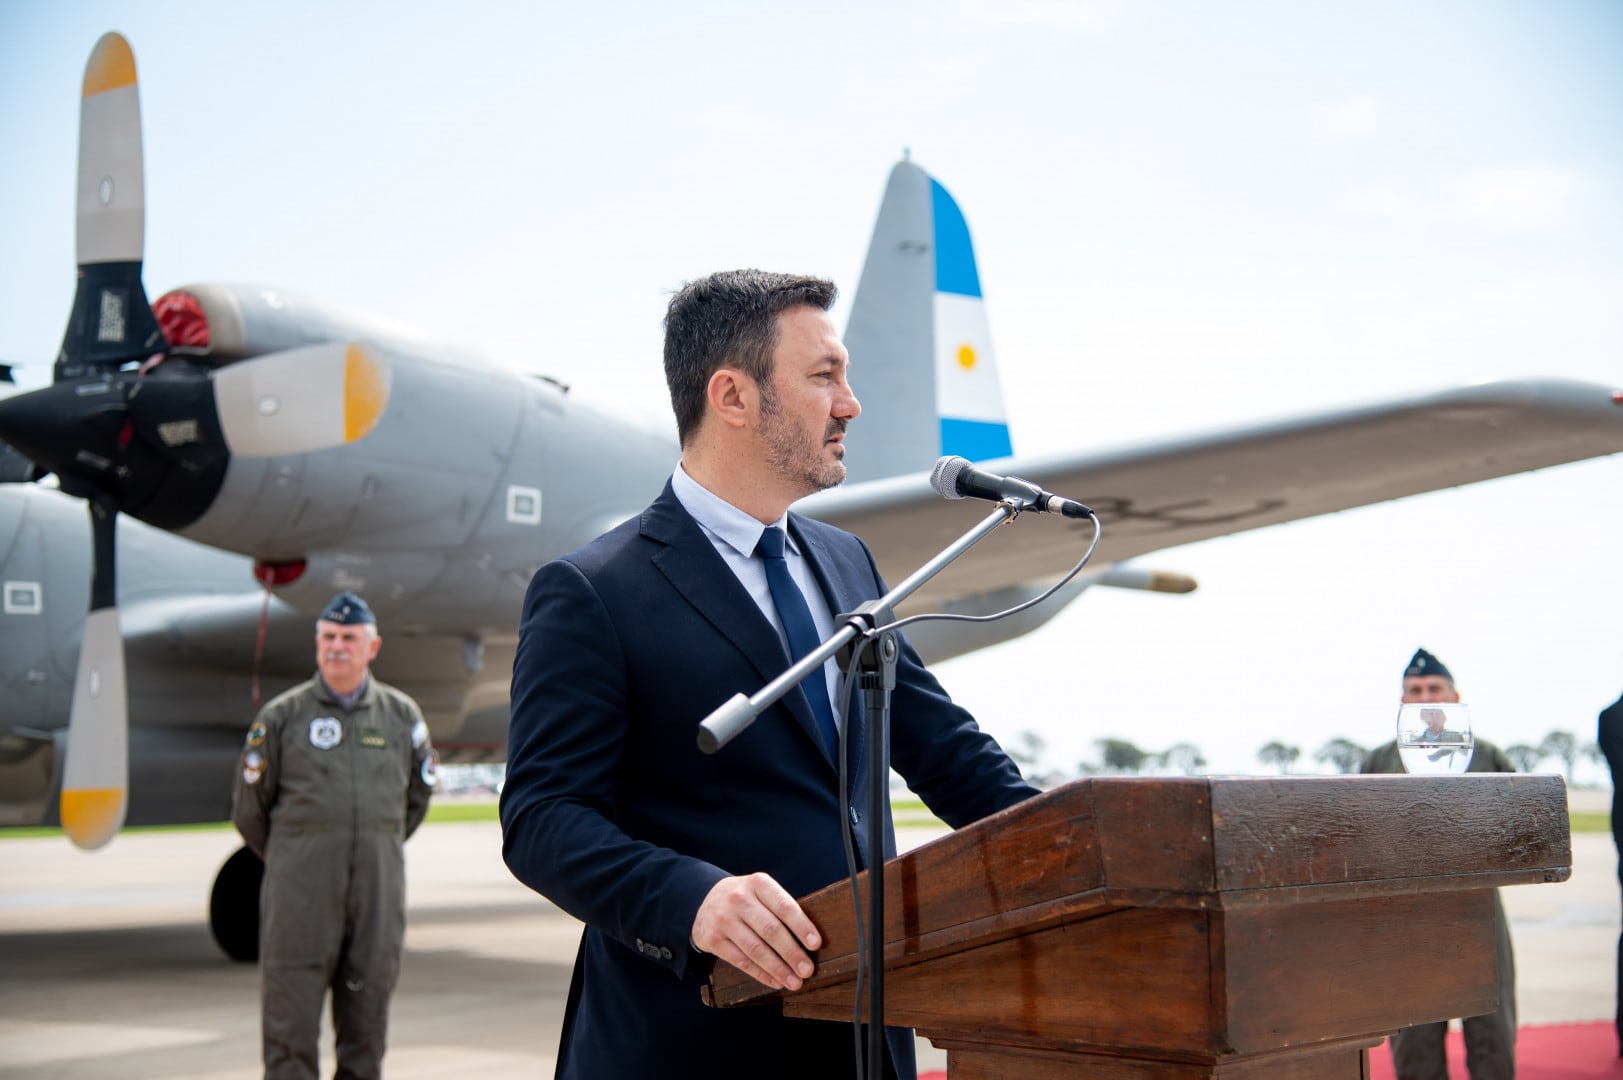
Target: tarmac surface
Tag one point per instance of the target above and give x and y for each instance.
(107, 968)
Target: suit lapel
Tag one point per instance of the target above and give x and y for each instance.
(689, 561)
(842, 587)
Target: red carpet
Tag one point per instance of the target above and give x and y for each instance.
(1556, 1052)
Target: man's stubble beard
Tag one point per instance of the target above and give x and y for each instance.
(790, 457)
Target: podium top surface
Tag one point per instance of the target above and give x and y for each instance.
(1110, 843)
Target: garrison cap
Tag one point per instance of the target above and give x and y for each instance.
(1423, 663)
(347, 609)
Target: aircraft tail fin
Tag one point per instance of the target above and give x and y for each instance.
(921, 353)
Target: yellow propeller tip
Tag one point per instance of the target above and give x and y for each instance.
(92, 816)
(112, 64)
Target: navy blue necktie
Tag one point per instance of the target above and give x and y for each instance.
(800, 629)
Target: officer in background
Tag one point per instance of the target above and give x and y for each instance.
(1419, 1053)
(335, 774)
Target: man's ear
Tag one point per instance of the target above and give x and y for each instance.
(733, 396)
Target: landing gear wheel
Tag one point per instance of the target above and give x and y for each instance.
(234, 906)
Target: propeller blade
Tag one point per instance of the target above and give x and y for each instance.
(95, 777)
(301, 400)
(112, 186)
(111, 323)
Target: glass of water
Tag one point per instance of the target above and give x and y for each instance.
(1434, 737)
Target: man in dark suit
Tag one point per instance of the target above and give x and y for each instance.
(610, 810)
(1610, 737)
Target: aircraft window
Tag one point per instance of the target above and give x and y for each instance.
(524, 505)
(24, 598)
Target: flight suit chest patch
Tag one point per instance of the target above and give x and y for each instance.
(326, 732)
(372, 736)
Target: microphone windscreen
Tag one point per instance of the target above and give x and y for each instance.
(944, 477)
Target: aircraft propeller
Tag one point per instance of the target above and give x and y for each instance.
(134, 425)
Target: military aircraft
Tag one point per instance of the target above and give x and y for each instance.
(244, 453)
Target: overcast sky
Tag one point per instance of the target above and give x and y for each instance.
(1187, 216)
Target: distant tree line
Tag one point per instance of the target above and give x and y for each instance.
(1345, 756)
(1120, 757)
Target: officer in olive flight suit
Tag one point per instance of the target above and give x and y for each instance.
(334, 775)
(1419, 1053)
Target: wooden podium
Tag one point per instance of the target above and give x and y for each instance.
(1123, 929)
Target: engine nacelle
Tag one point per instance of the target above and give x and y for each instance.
(225, 323)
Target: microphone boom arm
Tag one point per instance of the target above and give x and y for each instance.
(730, 719)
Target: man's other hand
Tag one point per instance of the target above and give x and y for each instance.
(755, 925)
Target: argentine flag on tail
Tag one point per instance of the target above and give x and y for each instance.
(921, 356)
(969, 400)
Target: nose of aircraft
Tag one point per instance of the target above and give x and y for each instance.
(153, 444)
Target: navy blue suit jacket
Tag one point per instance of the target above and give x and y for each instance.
(611, 811)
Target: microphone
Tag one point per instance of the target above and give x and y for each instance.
(956, 478)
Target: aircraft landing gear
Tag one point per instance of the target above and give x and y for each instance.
(234, 906)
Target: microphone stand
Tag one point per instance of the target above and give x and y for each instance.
(879, 651)
(877, 664)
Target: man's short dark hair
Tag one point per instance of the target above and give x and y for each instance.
(729, 319)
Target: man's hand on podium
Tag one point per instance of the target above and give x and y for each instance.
(755, 925)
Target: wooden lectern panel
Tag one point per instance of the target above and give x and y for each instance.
(1213, 923)
(973, 1061)
(1203, 982)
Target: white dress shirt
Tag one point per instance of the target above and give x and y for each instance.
(734, 535)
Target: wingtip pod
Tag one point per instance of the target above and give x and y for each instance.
(1170, 581)
(111, 65)
(1127, 576)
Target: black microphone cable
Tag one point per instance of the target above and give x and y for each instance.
(877, 830)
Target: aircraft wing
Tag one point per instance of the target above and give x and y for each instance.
(1156, 495)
